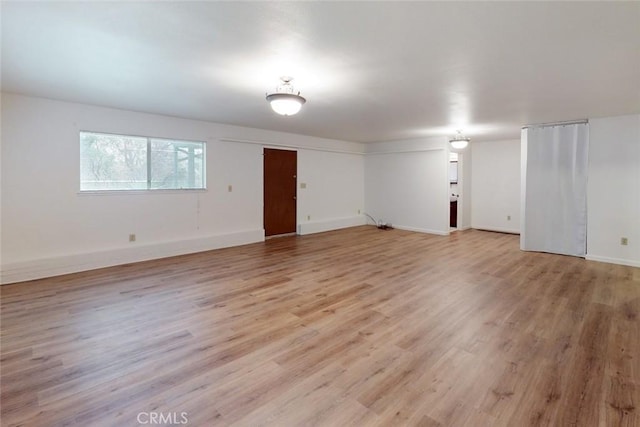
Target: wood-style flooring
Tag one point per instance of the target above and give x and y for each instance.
(358, 327)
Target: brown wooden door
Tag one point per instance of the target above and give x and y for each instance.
(280, 170)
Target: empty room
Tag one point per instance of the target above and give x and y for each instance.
(320, 213)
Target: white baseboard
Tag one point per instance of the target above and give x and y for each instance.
(56, 266)
(629, 262)
(498, 229)
(421, 230)
(331, 224)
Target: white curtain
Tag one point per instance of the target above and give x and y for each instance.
(554, 189)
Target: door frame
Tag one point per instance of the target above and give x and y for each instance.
(281, 148)
(461, 195)
(460, 191)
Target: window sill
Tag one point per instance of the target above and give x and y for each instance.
(139, 192)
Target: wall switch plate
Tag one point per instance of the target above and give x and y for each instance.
(624, 241)
(303, 185)
(508, 217)
(132, 237)
(308, 217)
(230, 188)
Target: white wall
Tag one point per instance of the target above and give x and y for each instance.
(48, 228)
(465, 178)
(613, 190)
(407, 184)
(334, 193)
(495, 186)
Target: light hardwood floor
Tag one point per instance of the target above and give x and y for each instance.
(353, 327)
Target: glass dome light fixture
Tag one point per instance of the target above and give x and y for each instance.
(459, 142)
(285, 101)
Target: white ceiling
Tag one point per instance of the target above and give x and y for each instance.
(371, 71)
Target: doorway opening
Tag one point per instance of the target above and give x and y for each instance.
(280, 168)
(454, 193)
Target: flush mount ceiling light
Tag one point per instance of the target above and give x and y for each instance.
(459, 142)
(285, 100)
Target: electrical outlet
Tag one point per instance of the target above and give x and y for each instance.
(303, 185)
(358, 211)
(508, 217)
(624, 241)
(132, 237)
(308, 217)
(230, 188)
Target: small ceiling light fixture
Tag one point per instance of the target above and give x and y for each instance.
(459, 142)
(285, 100)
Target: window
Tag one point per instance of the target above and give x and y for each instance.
(120, 162)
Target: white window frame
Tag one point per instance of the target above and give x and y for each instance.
(149, 189)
